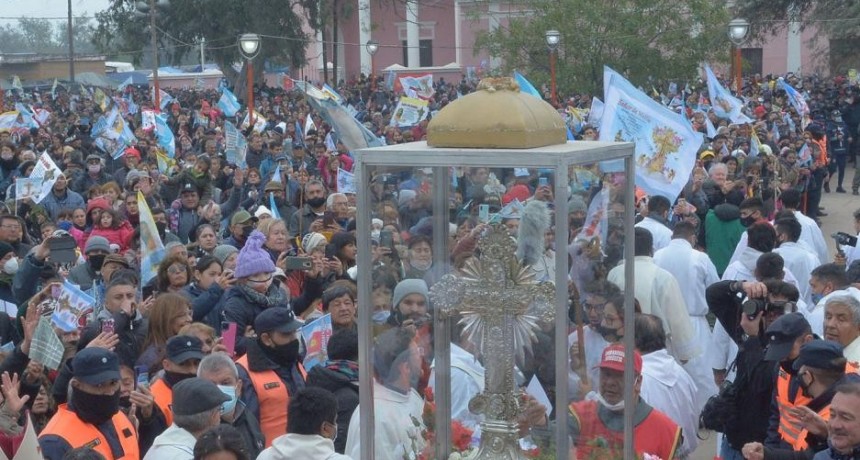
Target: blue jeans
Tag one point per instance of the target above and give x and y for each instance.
(727, 453)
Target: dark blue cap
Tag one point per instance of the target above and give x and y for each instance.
(95, 366)
(181, 348)
(821, 354)
(782, 333)
(277, 319)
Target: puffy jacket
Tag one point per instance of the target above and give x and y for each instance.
(120, 236)
(346, 393)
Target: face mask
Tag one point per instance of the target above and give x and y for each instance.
(227, 407)
(96, 261)
(617, 407)
(161, 227)
(609, 334)
(11, 266)
(747, 221)
(95, 409)
(284, 355)
(381, 316)
(577, 222)
(421, 264)
(172, 378)
(6, 156)
(94, 168)
(816, 297)
(316, 202)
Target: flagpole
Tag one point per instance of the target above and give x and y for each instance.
(154, 39)
(71, 46)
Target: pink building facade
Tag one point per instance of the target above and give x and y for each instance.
(438, 36)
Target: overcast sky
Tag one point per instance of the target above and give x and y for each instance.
(48, 8)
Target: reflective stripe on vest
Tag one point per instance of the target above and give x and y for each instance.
(273, 399)
(789, 425)
(801, 438)
(66, 424)
(163, 399)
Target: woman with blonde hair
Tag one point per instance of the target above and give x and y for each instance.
(170, 313)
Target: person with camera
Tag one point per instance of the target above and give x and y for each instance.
(745, 309)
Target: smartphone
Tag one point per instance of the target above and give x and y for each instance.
(62, 249)
(228, 336)
(299, 263)
(141, 376)
(543, 182)
(484, 213)
(328, 219)
(108, 326)
(386, 239)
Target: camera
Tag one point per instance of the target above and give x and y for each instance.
(752, 307)
(844, 239)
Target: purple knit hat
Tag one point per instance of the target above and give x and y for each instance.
(253, 259)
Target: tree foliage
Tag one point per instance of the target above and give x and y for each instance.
(645, 39)
(837, 19)
(46, 37)
(181, 25)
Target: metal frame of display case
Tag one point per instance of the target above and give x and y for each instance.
(559, 157)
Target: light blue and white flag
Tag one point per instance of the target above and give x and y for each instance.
(122, 86)
(166, 98)
(349, 131)
(228, 103)
(164, 136)
(236, 147)
(722, 102)
(272, 205)
(712, 132)
(528, 88)
(151, 246)
(276, 175)
(794, 98)
(345, 181)
(665, 144)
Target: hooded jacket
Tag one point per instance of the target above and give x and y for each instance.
(723, 230)
(293, 445)
(346, 393)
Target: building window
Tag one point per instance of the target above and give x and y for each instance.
(425, 53)
(751, 59)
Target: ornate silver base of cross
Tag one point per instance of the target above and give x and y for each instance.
(501, 305)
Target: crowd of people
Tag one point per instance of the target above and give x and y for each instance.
(745, 323)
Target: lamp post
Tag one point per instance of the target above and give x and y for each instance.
(738, 31)
(372, 47)
(552, 40)
(249, 47)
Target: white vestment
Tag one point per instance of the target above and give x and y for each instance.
(694, 272)
(658, 294)
(800, 262)
(667, 387)
(395, 435)
(467, 381)
(660, 233)
(594, 346)
(812, 237)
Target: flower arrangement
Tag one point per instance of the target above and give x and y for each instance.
(461, 436)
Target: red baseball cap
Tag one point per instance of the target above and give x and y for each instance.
(613, 358)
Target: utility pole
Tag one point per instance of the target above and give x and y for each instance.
(202, 54)
(71, 46)
(154, 54)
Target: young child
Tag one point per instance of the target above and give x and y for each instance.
(114, 229)
(197, 175)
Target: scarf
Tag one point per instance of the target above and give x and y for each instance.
(272, 298)
(345, 367)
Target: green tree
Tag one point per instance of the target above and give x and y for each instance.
(46, 37)
(837, 18)
(181, 25)
(645, 39)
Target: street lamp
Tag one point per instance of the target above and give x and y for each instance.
(372, 47)
(552, 40)
(738, 31)
(249, 47)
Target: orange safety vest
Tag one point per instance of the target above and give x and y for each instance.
(800, 444)
(798, 441)
(656, 435)
(163, 396)
(273, 397)
(789, 426)
(78, 433)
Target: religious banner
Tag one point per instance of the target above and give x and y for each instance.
(44, 175)
(596, 113)
(164, 136)
(236, 147)
(665, 144)
(72, 308)
(722, 102)
(409, 112)
(14, 121)
(151, 247)
(165, 98)
(259, 122)
(147, 120)
(596, 219)
(345, 181)
(27, 188)
(794, 98)
(316, 335)
(228, 103)
(420, 85)
(112, 134)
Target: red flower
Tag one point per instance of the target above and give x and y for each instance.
(461, 436)
(428, 394)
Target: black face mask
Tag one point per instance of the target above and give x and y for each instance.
(284, 355)
(95, 409)
(804, 387)
(161, 227)
(577, 222)
(172, 378)
(747, 221)
(96, 261)
(316, 202)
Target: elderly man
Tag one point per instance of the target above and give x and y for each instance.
(842, 325)
(196, 409)
(844, 426)
(827, 281)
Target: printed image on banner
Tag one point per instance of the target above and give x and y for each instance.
(316, 335)
(112, 134)
(665, 144)
(419, 86)
(151, 247)
(724, 104)
(27, 188)
(46, 347)
(409, 112)
(236, 147)
(345, 181)
(44, 175)
(73, 307)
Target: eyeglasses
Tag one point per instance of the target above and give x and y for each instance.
(260, 281)
(11, 226)
(176, 269)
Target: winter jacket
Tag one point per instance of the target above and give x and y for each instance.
(204, 303)
(120, 236)
(293, 445)
(174, 444)
(249, 428)
(723, 230)
(258, 362)
(54, 204)
(346, 393)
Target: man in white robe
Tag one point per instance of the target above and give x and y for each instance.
(665, 384)
(798, 260)
(658, 294)
(694, 272)
(810, 234)
(594, 297)
(655, 221)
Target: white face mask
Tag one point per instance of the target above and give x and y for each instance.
(11, 266)
(94, 168)
(7, 155)
(617, 407)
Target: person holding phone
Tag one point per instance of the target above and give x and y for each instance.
(209, 284)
